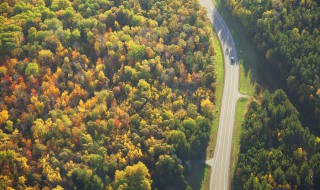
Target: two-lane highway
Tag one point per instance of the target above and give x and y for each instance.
(222, 154)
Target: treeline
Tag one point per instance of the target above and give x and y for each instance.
(103, 94)
(276, 151)
(288, 33)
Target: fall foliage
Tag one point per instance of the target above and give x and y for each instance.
(103, 94)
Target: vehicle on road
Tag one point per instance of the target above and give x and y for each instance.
(232, 60)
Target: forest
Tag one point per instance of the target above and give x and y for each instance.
(103, 94)
(288, 33)
(277, 152)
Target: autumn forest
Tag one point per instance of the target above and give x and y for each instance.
(103, 94)
(121, 94)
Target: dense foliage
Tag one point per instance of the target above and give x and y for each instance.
(102, 94)
(288, 32)
(276, 151)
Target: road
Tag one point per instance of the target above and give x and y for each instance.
(220, 164)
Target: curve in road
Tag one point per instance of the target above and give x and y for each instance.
(220, 163)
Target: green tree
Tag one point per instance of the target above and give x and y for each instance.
(84, 180)
(32, 69)
(167, 171)
(179, 142)
(136, 52)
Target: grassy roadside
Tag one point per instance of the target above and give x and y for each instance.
(240, 111)
(206, 181)
(219, 89)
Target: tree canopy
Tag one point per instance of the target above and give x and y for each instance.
(103, 94)
(277, 152)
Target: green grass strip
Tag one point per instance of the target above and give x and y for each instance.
(219, 88)
(236, 139)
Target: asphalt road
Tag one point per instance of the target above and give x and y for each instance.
(220, 175)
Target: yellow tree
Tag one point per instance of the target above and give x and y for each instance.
(207, 108)
(134, 177)
(4, 116)
(46, 57)
(52, 175)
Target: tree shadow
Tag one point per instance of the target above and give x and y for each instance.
(198, 178)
